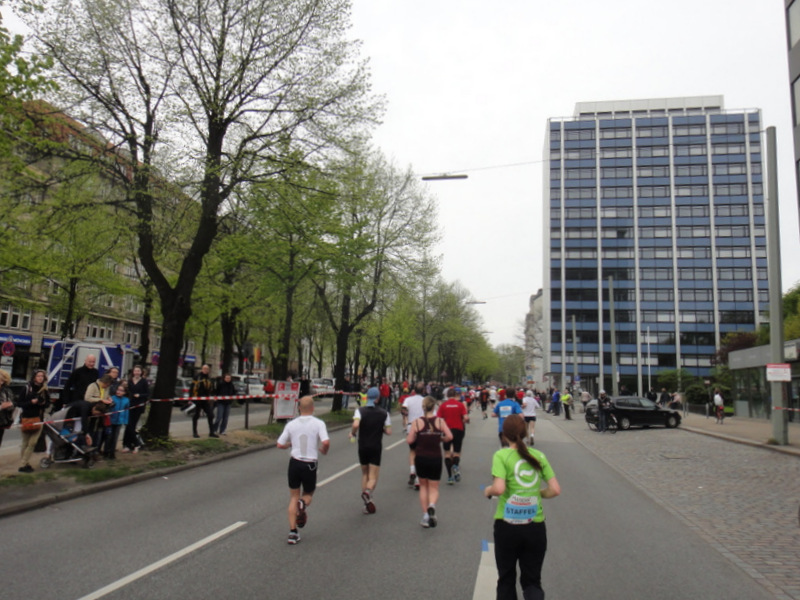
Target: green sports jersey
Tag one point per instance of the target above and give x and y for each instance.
(522, 501)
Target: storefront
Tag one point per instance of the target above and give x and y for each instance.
(751, 390)
(15, 354)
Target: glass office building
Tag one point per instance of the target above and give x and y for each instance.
(666, 197)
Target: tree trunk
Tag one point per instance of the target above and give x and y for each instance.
(227, 322)
(144, 342)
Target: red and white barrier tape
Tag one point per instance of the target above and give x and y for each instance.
(785, 408)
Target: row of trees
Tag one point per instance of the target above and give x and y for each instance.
(220, 156)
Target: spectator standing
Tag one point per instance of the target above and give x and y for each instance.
(138, 394)
(520, 536)
(225, 388)
(665, 398)
(307, 436)
(6, 403)
(426, 435)
(120, 415)
(100, 402)
(386, 395)
(555, 402)
(719, 406)
(566, 400)
(78, 381)
(202, 389)
(32, 402)
(370, 423)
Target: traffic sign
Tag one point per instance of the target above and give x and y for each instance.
(775, 372)
(8, 349)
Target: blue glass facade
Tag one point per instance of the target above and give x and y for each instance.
(670, 202)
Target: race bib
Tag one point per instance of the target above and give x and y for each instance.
(520, 510)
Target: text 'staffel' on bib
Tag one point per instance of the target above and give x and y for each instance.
(520, 510)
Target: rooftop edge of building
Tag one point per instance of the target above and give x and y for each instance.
(609, 107)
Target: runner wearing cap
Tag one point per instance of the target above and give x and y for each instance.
(370, 423)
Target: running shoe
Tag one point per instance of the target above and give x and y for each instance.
(411, 479)
(432, 516)
(425, 521)
(294, 537)
(450, 480)
(302, 516)
(369, 505)
(457, 472)
(416, 483)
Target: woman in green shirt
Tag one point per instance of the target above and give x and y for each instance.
(519, 530)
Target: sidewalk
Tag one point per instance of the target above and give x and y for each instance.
(754, 432)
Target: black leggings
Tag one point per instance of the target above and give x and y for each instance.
(527, 545)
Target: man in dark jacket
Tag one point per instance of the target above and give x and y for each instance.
(203, 387)
(78, 381)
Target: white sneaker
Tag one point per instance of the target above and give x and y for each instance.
(425, 521)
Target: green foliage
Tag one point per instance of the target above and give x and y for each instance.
(676, 379)
(98, 474)
(697, 393)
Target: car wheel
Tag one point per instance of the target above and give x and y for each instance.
(624, 423)
(672, 421)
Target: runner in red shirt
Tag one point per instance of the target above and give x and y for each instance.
(455, 415)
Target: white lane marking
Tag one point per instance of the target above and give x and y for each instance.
(397, 443)
(112, 587)
(356, 465)
(486, 581)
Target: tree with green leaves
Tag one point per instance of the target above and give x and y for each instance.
(210, 93)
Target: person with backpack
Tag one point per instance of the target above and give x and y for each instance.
(426, 436)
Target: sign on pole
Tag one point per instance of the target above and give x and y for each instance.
(8, 348)
(287, 393)
(779, 372)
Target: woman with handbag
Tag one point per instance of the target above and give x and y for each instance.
(32, 402)
(6, 403)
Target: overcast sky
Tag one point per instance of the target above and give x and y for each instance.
(470, 86)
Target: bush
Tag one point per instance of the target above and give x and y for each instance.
(697, 393)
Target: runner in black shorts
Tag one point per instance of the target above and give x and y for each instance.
(370, 423)
(456, 416)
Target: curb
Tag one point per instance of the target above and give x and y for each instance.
(791, 451)
(95, 488)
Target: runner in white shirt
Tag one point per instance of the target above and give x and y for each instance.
(529, 406)
(306, 435)
(412, 406)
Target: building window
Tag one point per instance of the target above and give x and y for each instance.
(735, 296)
(555, 135)
(652, 132)
(618, 253)
(130, 335)
(653, 171)
(615, 133)
(652, 151)
(616, 212)
(697, 231)
(696, 252)
(689, 130)
(581, 254)
(616, 152)
(691, 190)
(691, 150)
(696, 296)
(730, 189)
(691, 170)
(731, 210)
(654, 191)
(697, 316)
(657, 295)
(655, 232)
(793, 18)
(739, 273)
(15, 317)
(653, 253)
(694, 274)
(618, 192)
(734, 252)
(580, 213)
(727, 149)
(732, 230)
(656, 274)
(580, 233)
(617, 173)
(727, 129)
(580, 173)
(579, 134)
(692, 211)
(579, 154)
(646, 212)
(586, 193)
(52, 324)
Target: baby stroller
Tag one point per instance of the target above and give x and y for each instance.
(65, 445)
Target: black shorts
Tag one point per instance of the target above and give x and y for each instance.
(370, 455)
(458, 438)
(529, 419)
(428, 467)
(302, 473)
(484, 405)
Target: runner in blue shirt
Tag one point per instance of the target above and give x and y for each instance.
(505, 408)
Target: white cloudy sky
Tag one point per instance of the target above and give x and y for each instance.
(470, 85)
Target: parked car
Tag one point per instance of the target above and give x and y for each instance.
(635, 411)
(322, 387)
(183, 389)
(247, 385)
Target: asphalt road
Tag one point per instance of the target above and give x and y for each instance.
(607, 538)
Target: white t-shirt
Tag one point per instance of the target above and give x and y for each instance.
(304, 433)
(413, 405)
(529, 406)
(718, 400)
